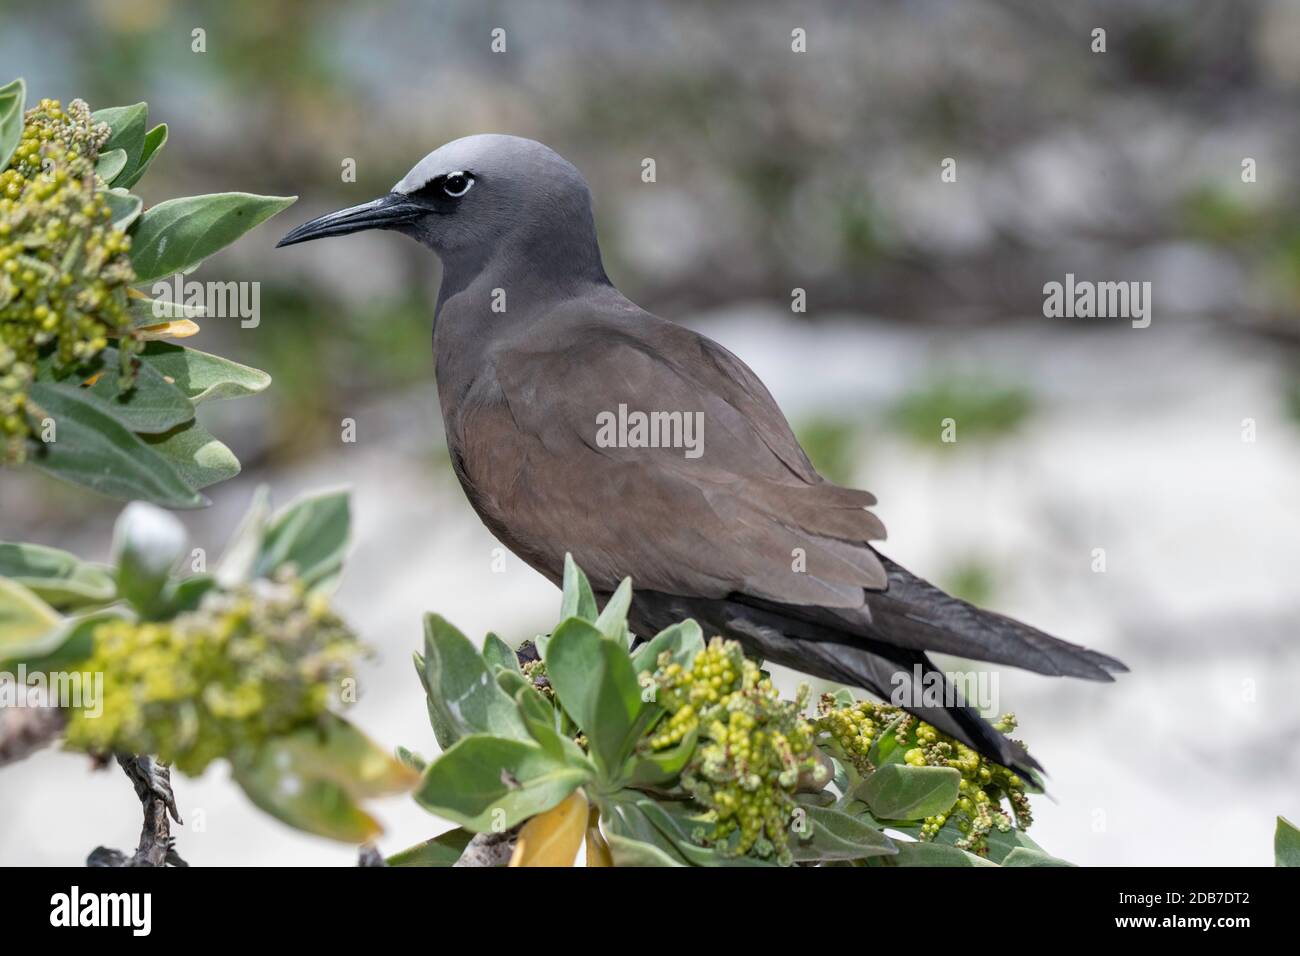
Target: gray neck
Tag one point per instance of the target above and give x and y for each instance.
(556, 250)
(535, 268)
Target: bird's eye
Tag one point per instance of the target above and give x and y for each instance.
(456, 185)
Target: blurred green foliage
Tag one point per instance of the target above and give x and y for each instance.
(972, 579)
(981, 410)
(832, 444)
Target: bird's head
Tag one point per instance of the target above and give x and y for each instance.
(474, 196)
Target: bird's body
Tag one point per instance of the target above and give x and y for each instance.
(535, 348)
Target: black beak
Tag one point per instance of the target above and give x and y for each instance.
(387, 212)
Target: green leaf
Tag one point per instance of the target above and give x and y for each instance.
(239, 559)
(578, 599)
(195, 454)
(24, 617)
(1023, 856)
(411, 759)
(128, 124)
(498, 653)
(677, 823)
(538, 716)
(1000, 844)
(13, 97)
(834, 835)
(464, 698)
(151, 406)
(154, 141)
(626, 851)
(933, 854)
(900, 792)
(1286, 843)
(147, 545)
(176, 235)
(70, 642)
(203, 377)
(443, 850)
(491, 783)
(656, 769)
(682, 641)
(185, 595)
(110, 163)
(596, 685)
(146, 312)
(126, 208)
(92, 449)
(57, 577)
(313, 778)
(613, 619)
(312, 534)
(510, 681)
(633, 839)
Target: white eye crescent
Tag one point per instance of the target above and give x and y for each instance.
(456, 185)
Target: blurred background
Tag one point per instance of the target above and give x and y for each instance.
(779, 170)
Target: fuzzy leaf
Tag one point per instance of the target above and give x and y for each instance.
(154, 141)
(195, 455)
(682, 641)
(443, 850)
(12, 100)
(57, 577)
(176, 235)
(835, 835)
(464, 698)
(489, 783)
(203, 377)
(110, 163)
(498, 653)
(900, 792)
(24, 617)
(128, 125)
(312, 779)
(1286, 843)
(91, 448)
(612, 621)
(595, 683)
(152, 405)
(578, 599)
(311, 533)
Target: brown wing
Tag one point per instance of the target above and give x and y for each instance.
(748, 515)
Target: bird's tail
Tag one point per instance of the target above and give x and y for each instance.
(913, 613)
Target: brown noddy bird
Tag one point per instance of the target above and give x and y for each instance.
(542, 366)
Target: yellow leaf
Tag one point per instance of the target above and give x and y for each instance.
(597, 849)
(178, 329)
(553, 838)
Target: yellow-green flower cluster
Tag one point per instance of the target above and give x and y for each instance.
(753, 747)
(247, 665)
(64, 268)
(984, 786)
(535, 671)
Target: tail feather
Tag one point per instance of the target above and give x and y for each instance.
(914, 613)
